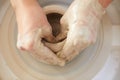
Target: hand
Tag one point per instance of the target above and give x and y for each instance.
(32, 28)
(81, 21)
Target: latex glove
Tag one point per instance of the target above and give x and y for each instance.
(32, 28)
(80, 23)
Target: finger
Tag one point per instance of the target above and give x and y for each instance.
(77, 40)
(49, 38)
(55, 47)
(25, 42)
(45, 54)
(47, 33)
(32, 43)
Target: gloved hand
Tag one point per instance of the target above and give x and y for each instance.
(80, 24)
(32, 28)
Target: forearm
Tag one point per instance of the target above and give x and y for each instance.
(105, 3)
(23, 3)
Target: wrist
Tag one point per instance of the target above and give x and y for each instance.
(23, 3)
(105, 3)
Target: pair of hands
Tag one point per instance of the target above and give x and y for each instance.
(79, 23)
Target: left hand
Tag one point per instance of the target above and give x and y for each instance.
(81, 21)
(33, 27)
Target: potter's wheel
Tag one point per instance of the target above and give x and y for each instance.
(100, 61)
